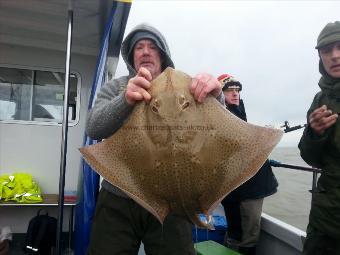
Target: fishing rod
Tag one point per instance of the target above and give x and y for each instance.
(288, 128)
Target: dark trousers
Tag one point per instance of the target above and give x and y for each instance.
(318, 243)
(120, 225)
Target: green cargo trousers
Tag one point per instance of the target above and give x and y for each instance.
(120, 225)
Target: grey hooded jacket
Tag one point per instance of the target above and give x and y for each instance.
(111, 109)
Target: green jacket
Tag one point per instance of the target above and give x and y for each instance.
(324, 152)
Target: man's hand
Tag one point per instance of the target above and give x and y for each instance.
(136, 90)
(204, 84)
(321, 119)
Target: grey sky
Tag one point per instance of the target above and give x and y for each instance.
(267, 45)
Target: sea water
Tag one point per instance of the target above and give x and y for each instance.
(291, 203)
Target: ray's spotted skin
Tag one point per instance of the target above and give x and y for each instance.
(177, 155)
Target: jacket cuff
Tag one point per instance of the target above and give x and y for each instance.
(312, 137)
(221, 98)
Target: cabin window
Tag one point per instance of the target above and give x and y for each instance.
(34, 95)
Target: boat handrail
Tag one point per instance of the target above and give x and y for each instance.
(275, 163)
(314, 170)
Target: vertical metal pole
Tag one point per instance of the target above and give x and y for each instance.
(315, 179)
(70, 228)
(32, 96)
(64, 131)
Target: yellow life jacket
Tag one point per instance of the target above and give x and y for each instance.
(20, 188)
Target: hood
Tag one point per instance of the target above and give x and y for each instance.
(327, 82)
(154, 33)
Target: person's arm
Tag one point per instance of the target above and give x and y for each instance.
(109, 111)
(114, 103)
(315, 136)
(221, 99)
(311, 147)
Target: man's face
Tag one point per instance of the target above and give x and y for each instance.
(330, 56)
(232, 96)
(147, 54)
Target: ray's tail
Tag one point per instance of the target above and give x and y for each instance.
(203, 221)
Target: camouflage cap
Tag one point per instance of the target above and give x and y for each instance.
(329, 34)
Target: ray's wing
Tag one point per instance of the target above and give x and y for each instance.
(239, 150)
(123, 160)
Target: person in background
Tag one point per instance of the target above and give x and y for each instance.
(243, 206)
(320, 147)
(120, 224)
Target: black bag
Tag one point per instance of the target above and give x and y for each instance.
(41, 234)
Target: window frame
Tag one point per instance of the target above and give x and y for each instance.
(48, 123)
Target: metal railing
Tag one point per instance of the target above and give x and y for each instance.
(315, 171)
